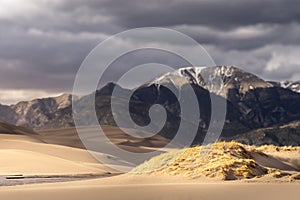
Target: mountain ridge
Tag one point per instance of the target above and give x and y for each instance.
(252, 103)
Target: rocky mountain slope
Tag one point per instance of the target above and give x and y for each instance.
(291, 85)
(252, 104)
(7, 114)
(231, 77)
(37, 113)
(284, 135)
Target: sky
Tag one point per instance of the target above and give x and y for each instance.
(43, 42)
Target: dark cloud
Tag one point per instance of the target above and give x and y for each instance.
(140, 13)
(217, 13)
(44, 42)
(41, 61)
(245, 37)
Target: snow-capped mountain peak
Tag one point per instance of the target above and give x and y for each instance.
(218, 79)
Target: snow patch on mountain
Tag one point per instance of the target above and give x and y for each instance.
(292, 85)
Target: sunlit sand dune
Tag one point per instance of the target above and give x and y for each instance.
(59, 151)
(227, 161)
(266, 172)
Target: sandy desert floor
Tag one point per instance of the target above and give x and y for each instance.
(152, 187)
(60, 168)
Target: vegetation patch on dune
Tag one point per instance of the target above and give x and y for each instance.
(273, 148)
(223, 160)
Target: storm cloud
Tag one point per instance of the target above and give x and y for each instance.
(43, 42)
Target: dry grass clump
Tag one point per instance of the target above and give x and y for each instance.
(295, 176)
(223, 160)
(157, 162)
(275, 173)
(272, 148)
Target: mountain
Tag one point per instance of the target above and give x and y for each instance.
(284, 135)
(252, 104)
(231, 77)
(38, 112)
(7, 114)
(291, 85)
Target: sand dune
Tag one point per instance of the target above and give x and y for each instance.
(99, 143)
(69, 137)
(226, 161)
(33, 163)
(11, 129)
(29, 156)
(60, 153)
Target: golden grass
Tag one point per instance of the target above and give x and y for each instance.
(223, 160)
(272, 148)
